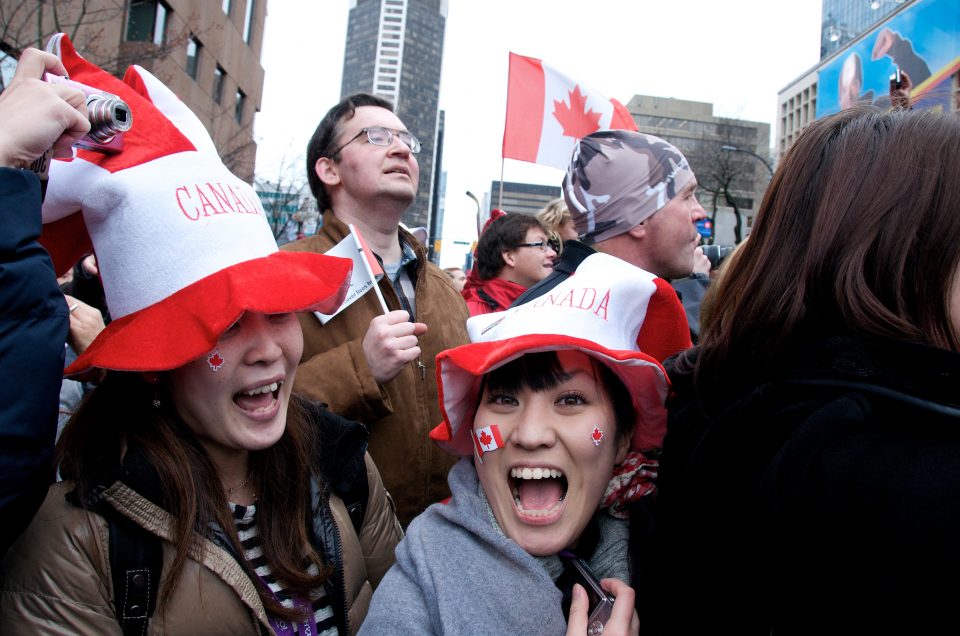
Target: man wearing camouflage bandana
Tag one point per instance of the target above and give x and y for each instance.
(633, 196)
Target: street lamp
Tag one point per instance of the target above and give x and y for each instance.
(477, 201)
(751, 153)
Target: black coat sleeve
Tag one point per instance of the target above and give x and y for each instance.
(33, 329)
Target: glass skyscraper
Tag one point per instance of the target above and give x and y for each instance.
(394, 50)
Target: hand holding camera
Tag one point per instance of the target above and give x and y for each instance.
(36, 116)
(109, 116)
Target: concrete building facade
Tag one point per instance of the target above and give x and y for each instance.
(522, 198)
(208, 53)
(728, 179)
(395, 49)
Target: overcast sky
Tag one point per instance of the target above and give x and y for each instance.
(734, 53)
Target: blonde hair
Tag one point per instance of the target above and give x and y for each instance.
(553, 215)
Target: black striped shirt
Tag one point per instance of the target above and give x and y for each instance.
(245, 518)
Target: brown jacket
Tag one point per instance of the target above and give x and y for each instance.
(56, 578)
(401, 413)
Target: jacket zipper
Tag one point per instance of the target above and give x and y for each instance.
(340, 567)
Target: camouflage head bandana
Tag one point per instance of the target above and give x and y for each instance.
(618, 178)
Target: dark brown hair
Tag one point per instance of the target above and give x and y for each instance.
(118, 416)
(858, 232)
(327, 132)
(503, 235)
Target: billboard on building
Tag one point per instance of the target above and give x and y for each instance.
(922, 40)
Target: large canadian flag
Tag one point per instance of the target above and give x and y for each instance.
(547, 112)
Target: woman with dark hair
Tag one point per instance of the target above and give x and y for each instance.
(554, 414)
(202, 496)
(513, 254)
(810, 471)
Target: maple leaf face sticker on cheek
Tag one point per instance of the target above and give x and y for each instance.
(215, 361)
(596, 435)
(487, 439)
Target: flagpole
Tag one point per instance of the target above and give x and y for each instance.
(500, 198)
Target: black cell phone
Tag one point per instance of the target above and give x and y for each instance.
(600, 602)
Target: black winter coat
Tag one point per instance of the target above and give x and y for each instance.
(819, 495)
(33, 330)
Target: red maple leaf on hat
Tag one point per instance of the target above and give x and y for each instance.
(576, 120)
(485, 438)
(597, 435)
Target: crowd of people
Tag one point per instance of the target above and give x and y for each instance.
(548, 443)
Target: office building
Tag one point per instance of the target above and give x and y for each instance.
(843, 20)
(208, 53)
(522, 198)
(394, 49)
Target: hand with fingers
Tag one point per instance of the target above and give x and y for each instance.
(623, 619)
(390, 343)
(86, 323)
(36, 116)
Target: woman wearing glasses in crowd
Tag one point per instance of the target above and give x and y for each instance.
(811, 466)
(513, 253)
(202, 496)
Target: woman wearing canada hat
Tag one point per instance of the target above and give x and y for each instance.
(554, 414)
(201, 495)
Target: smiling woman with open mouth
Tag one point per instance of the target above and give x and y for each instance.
(201, 495)
(551, 409)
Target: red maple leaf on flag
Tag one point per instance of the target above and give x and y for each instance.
(577, 122)
(597, 435)
(485, 438)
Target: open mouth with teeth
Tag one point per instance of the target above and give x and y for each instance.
(538, 492)
(261, 398)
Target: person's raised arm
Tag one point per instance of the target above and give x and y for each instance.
(35, 115)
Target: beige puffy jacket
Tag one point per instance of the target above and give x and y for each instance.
(56, 579)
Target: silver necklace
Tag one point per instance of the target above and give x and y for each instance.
(243, 483)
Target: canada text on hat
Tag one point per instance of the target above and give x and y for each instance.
(619, 178)
(600, 311)
(183, 246)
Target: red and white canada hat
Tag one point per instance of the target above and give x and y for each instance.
(604, 310)
(183, 246)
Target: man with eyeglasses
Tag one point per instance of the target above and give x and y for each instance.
(513, 254)
(366, 365)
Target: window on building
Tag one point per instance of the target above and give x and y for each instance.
(218, 75)
(193, 57)
(248, 22)
(226, 5)
(241, 102)
(147, 21)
